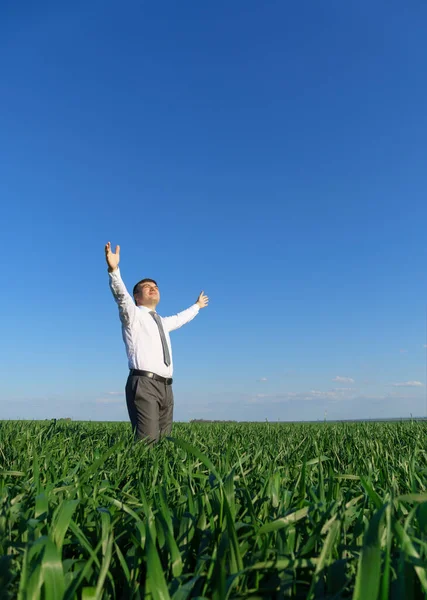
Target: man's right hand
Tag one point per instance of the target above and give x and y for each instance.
(112, 258)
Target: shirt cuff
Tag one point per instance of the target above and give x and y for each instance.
(114, 273)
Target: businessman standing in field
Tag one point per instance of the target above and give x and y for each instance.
(149, 395)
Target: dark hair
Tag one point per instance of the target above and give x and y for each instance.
(136, 286)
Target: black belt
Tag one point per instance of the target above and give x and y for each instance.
(137, 372)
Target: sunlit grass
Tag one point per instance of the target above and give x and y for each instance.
(218, 511)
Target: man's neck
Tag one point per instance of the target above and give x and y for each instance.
(149, 307)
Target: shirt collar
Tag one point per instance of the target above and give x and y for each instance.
(146, 308)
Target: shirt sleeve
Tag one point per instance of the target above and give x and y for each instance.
(180, 319)
(127, 308)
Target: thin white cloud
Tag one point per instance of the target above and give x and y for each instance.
(263, 379)
(339, 379)
(374, 396)
(333, 395)
(309, 395)
(273, 396)
(115, 393)
(112, 400)
(320, 394)
(263, 398)
(425, 345)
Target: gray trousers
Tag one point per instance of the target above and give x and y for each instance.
(150, 407)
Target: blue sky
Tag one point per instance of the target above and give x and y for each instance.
(271, 154)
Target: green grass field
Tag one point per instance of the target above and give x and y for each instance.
(219, 511)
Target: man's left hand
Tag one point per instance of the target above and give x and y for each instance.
(202, 300)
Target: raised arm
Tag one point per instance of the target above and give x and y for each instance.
(127, 308)
(180, 319)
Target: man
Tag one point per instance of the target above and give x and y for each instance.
(149, 395)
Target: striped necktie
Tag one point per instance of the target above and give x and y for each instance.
(166, 355)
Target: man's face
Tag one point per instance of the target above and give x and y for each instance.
(149, 294)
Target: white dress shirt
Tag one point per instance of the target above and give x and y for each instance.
(140, 332)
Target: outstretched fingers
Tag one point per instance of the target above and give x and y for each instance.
(108, 249)
(202, 300)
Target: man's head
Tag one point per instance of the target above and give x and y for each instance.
(146, 293)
